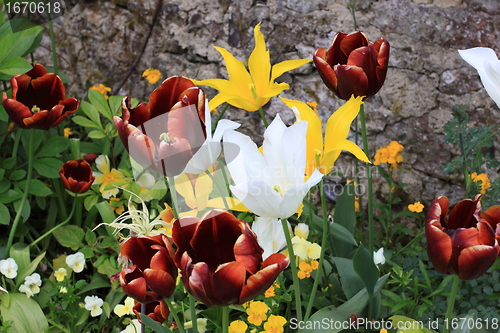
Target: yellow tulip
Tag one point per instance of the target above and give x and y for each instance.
(250, 89)
(322, 154)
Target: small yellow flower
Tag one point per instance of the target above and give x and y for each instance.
(304, 266)
(270, 292)
(483, 178)
(60, 274)
(274, 324)
(250, 89)
(389, 154)
(125, 309)
(152, 75)
(257, 313)
(302, 275)
(416, 207)
(107, 176)
(314, 264)
(63, 290)
(102, 89)
(238, 326)
(67, 132)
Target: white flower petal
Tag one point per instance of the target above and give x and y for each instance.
(259, 198)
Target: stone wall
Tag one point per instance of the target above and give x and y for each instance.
(98, 42)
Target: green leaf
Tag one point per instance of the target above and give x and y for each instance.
(3, 114)
(99, 101)
(91, 201)
(48, 167)
(351, 282)
(2, 173)
(345, 216)
(115, 103)
(24, 313)
(148, 322)
(37, 188)
(26, 209)
(355, 304)
(17, 175)
(20, 252)
(90, 237)
(15, 44)
(91, 112)
(53, 147)
(366, 269)
(4, 185)
(82, 121)
(4, 214)
(70, 236)
(106, 212)
(28, 270)
(98, 281)
(15, 65)
(9, 162)
(96, 134)
(10, 196)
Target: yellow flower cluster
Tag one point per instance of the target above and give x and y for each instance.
(152, 75)
(307, 268)
(102, 89)
(483, 178)
(257, 314)
(416, 207)
(389, 154)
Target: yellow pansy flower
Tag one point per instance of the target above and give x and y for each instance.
(125, 309)
(250, 89)
(238, 326)
(274, 324)
(102, 89)
(257, 313)
(483, 178)
(322, 154)
(60, 274)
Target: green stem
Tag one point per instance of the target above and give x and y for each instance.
(322, 253)
(25, 194)
(60, 224)
(389, 211)
(192, 309)
(293, 264)
(176, 317)
(221, 191)
(173, 194)
(63, 214)
(451, 303)
(263, 116)
(221, 114)
(370, 181)
(352, 5)
(465, 166)
(225, 319)
(56, 325)
(79, 211)
(52, 42)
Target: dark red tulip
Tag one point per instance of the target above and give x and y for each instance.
(76, 175)
(38, 100)
(158, 311)
(152, 277)
(352, 65)
(90, 157)
(164, 134)
(221, 261)
(464, 243)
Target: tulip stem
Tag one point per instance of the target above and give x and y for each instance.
(225, 319)
(25, 194)
(451, 303)
(293, 264)
(192, 308)
(370, 182)
(263, 116)
(60, 224)
(324, 239)
(180, 325)
(173, 194)
(221, 114)
(221, 191)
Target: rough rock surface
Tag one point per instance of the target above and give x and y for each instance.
(99, 40)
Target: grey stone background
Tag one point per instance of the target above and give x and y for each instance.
(98, 42)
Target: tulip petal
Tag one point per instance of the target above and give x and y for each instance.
(485, 61)
(294, 197)
(492, 216)
(182, 232)
(351, 42)
(465, 214)
(352, 80)
(48, 90)
(163, 98)
(259, 63)
(248, 252)
(215, 237)
(261, 281)
(258, 197)
(366, 58)
(439, 246)
(325, 71)
(476, 260)
(201, 285)
(438, 210)
(17, 111)
(160, 282)
(139, 249)
(239, 78)
(334, 55)
(229, 280)
(287, 65)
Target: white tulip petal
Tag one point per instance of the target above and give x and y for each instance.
(259, 198)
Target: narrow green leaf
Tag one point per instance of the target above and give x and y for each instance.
(366, 268)
(4, 214)
(345, 216)
(96, 134)
(115, 103)
(154, 325)
(351, 282)
(91, 112)
(106, 212)
(28, 270)
(82, 121)
(98, 281)
(20, 252)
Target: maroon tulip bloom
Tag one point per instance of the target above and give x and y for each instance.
(90, 157)
(158, 311)
(152, 277)
(38, 100)
(76, 175)
(164, 134)
(465, 243)
(352, 65)
(221, 261)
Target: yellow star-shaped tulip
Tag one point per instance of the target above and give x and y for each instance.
(321, 154)
(250, 89)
